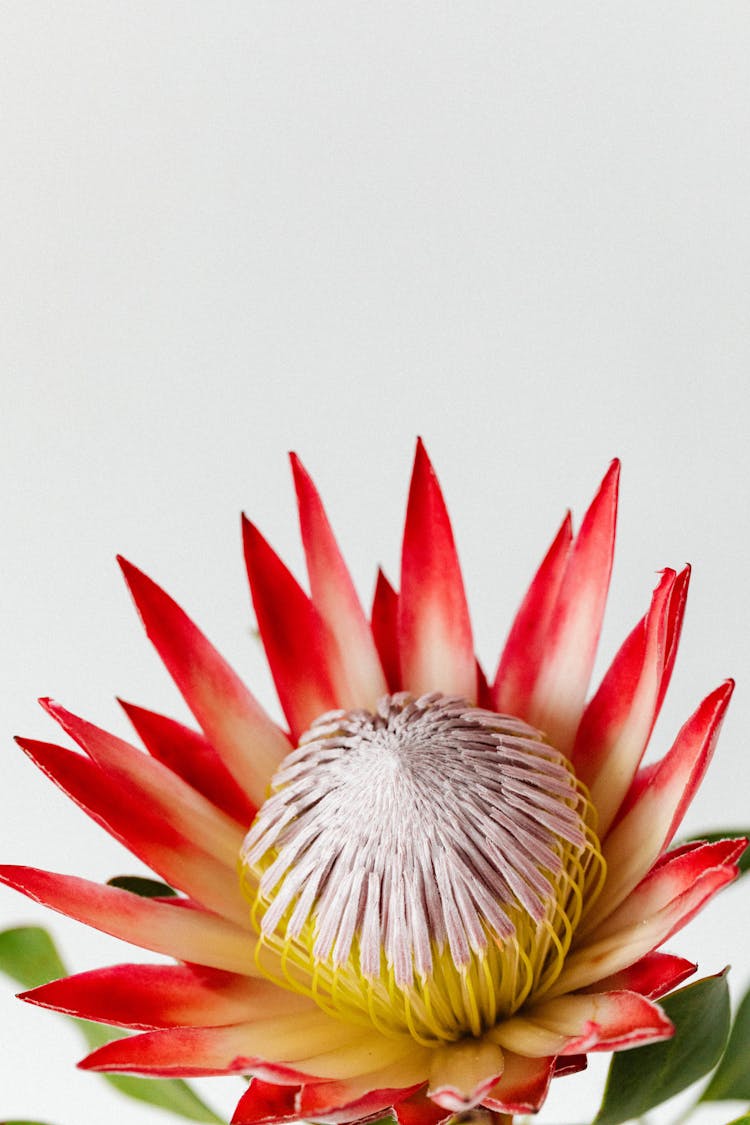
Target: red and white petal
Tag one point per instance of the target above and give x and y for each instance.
(675, 617)
(597, 960)
(188, 935)
(523, 1086)
(265, 1103)
(462, 1073)
(570, 1064)
(336, 600)
(671, 877)
(435, 639)
(651, 819)
(367, 1093)
(184, 1052)
(146, 997)
(300, 650)
(617, 723)
(249, 742)
(419, 1109)
(378, 1103)
(190, 1051)
(653, 976)
(158, 789)
(189, 754)
(524, 649)
(557, 701)
(384, 620)
(170, 853)
(617, 1019)
(311, 1104)
(704, 724)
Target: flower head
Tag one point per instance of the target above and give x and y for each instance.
(432, 892)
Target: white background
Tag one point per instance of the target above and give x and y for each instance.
(230, 229)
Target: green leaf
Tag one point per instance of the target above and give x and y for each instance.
(146, 888)
(732, 1079)
(726, 834)
(28, 955)
(171, 1094)
(645, 1077)
(744, 1120)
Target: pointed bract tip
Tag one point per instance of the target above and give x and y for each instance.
(424, 479)
(26, 744)
(250, 534)
(383, 581)
(602, 511)
(132, 574)
(420, 453)
(609, 486)
(257, 550)
(718, 701)
(299, 473)
(422, 466)
(130, 709)
(30, 997)
(303, 483)
(611, 478)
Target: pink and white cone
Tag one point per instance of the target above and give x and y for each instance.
(184, 808)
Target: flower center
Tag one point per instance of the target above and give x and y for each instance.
(421, 868)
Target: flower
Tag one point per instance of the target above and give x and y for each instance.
(433, 892)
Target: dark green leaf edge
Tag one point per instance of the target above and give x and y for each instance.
(642, 1078)
(140, 885)
(731, 1080)
(29, 956)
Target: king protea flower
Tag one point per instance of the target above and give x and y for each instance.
(431, 892)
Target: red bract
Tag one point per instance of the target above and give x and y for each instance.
(450, 891)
